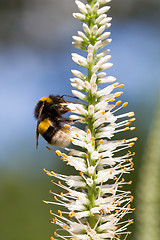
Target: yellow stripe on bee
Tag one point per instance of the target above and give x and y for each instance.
(46, 99)
(44, 125)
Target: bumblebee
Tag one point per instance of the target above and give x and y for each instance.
(48, 112)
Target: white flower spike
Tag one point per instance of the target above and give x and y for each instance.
(94, 200)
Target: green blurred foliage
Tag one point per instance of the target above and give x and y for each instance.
(147, 190)
(23, 215)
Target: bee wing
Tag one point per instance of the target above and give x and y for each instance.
(38, 121)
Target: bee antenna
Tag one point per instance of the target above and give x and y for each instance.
(69, 96)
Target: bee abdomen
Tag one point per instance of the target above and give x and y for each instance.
(61, 138)
(47, 129)
(53, 133)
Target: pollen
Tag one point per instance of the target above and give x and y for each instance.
(131, 197)
(112, 100)
(135, 139)
(128, 123)
(58, 152)
(125, 129)
(88, 131)
(116, 84)
(45, 170)
(45, 201)
(129, 206)
(132, 119)
(101, 141)
(118, 94)
(51, 238)
(121, 85)
(102, 211)
(130, 221)
(64, 155)
(131, 144)
(73, 213)
(56, 198)
(60, 213)
(131, 114)
(125, 104)
(59, 183)
(132, 128)
(67, 125)
(118, 203)
(53, 173)
(103, 112)
(49, 174)
(65, 227)
(118, 103)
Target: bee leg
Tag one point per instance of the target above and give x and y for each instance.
(67, 120)
(69, 96)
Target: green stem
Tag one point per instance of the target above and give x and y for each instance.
(92, 191)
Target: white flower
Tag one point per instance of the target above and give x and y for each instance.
(94, 200)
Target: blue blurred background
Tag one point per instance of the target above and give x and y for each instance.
(35, 61)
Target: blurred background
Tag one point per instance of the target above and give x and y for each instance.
(35, 61)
